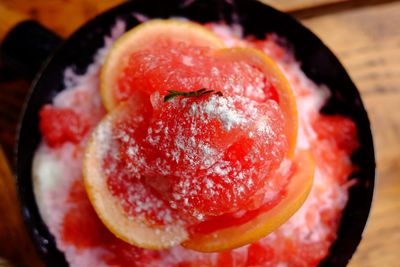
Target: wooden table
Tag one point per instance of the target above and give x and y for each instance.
(365, 35)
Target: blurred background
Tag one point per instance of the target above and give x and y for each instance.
(365, 36)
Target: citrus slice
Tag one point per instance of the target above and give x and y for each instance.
(275, 79)
(266, 222)
(136, 231)
(145, 36)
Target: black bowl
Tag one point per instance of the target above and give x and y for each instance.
(317, 62)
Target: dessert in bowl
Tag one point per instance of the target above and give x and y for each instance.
(234, 113)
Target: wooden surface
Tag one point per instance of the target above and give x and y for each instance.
(365, 35)
(367, 41)
(55, 13)
(8, 19)
(15, 244)
(297, 5)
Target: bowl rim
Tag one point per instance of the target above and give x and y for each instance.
(341, 251)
